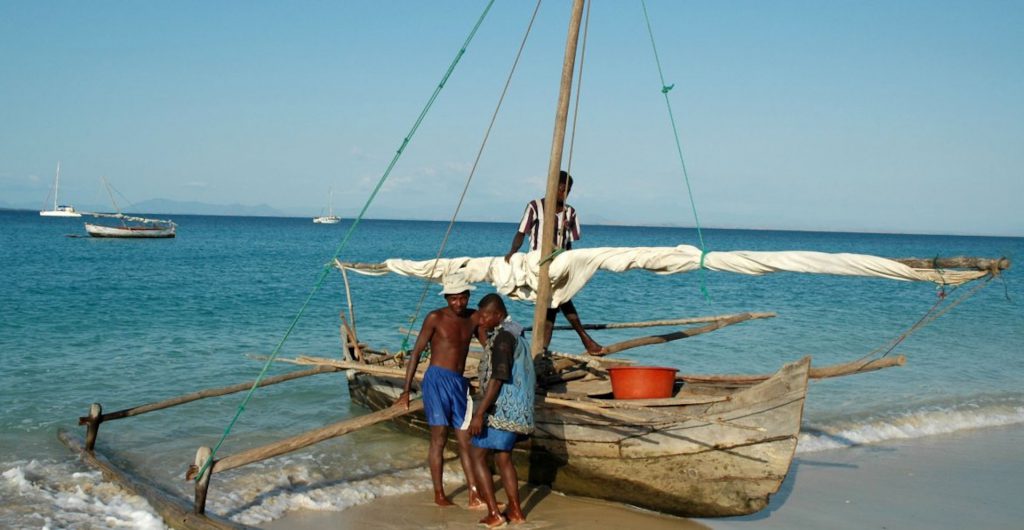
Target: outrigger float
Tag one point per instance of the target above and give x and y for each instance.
(719, 446)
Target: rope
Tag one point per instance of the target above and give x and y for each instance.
(579, 89)
(469, 179)
(929, 316)
(327, 267)
(665, 89)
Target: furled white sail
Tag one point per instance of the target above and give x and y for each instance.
(571, 270)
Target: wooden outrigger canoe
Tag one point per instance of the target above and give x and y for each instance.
(703, 452)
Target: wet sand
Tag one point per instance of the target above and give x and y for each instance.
(970, 479)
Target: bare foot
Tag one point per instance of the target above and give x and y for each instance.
(493, 521)
(515, 516)
(441, 500)
(593, 347)
(475, 502)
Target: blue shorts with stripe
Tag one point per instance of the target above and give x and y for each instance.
(446, 398)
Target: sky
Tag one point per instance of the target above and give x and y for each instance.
(876, 116)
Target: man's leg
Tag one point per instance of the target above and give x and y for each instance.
(486, 483)
(569, 310)
(510, 481)
(467, 467)
(435, 458)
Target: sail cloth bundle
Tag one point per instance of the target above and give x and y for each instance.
(571, 270)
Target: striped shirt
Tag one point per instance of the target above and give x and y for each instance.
(567, 231)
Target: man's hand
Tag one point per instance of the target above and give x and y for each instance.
(477, 425)
(402, 401)
(508, 256)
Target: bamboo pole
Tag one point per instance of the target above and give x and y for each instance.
(210, 392)
(676, 335)
(306, 439)
(834, 370)
(348, 299)
(93, 421)
(958, 262)
(554, 167)
(658, 323)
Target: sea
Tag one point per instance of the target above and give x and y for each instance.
(128, 322)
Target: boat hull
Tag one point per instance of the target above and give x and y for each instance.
(692, 460)
(142, 232)
(59, 213)
(327, 220)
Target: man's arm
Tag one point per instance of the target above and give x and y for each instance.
(490, 396)
(414, 357)
(517, 242)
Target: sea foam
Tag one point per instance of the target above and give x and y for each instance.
(924, 421)
(75, 500)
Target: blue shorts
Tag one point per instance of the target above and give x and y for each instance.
(446, 398)
(497, 439)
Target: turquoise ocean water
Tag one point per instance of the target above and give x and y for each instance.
(128, 322)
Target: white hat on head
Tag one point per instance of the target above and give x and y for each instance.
(455, 283)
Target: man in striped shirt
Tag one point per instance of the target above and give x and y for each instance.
(567, 230)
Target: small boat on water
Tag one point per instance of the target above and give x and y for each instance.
(59, 210)
(156, 229)
(131, 226)
(330, 218)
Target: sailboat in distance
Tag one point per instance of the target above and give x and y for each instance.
(59, 210)
(330, 218)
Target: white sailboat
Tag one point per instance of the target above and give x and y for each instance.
(59, 210)
(330, 218)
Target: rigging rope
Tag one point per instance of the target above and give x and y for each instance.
(348, 234)
(933, 313)
(579, 89)
(469, 179)
(679, 149)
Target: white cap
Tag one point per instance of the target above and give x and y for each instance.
(455, 283)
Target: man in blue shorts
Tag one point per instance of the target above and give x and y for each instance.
(504, 414)
(446, 403)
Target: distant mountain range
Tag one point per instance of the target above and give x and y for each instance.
(171, 207)
(167, 206)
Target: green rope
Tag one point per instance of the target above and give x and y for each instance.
(665, 89)
(348, 235)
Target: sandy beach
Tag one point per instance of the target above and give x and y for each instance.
(969, 479)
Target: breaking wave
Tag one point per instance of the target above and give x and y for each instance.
(923, 421)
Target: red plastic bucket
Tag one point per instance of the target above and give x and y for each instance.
(642, 382)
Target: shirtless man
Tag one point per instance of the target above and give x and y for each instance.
(567, 230)
(447, 331)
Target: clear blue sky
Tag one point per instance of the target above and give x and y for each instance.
(892, 116)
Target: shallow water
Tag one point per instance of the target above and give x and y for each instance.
(126, 322)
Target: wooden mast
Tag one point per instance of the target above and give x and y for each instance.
(554, 167)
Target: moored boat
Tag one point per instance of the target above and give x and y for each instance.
(59, 210)
(141, 231)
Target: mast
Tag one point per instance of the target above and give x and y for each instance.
(554, 166)
(56, 186)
